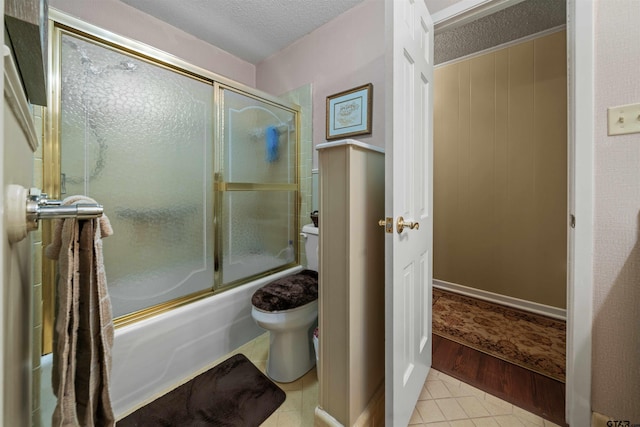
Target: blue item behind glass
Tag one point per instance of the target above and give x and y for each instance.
(272, 136)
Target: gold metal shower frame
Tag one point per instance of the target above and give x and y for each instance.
(61, 23)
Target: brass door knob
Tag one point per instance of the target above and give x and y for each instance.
(401, 224)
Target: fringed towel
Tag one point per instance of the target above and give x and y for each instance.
(83, 335)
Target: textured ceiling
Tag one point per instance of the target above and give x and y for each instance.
(255, 29)
(513, 23)
(249, 29)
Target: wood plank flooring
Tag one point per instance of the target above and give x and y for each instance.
(526, 389)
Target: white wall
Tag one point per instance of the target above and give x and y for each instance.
(616, 328)
(124, 20)
(344, 53)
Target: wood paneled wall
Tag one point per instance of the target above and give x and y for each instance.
(500, 171)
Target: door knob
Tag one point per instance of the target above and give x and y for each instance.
(401, 224)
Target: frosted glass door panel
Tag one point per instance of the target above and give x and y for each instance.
(258, 173)
(137, 137)
(259, 140)
(258, 232)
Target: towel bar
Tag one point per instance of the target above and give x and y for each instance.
(26, 207)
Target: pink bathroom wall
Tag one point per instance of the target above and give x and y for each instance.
(616, 276)
(124, 20)
(344, 53)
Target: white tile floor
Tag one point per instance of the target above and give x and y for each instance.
(444, 401)
(448, 402)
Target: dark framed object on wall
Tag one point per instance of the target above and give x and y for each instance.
(349, 112)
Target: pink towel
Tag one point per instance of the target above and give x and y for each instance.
(83, 335)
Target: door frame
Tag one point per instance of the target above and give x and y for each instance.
(580, 105)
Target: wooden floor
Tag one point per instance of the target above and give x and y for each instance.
(526, 389)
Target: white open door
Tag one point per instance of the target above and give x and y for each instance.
(408, 198)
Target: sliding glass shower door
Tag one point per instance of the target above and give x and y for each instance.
(137, 138)
(257, 186)
(199, 178)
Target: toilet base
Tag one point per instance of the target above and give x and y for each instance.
(291, 354)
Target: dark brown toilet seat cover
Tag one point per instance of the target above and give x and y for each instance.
(288, 292)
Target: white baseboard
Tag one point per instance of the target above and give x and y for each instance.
(532, 307)
(373, 414)
(324, 419)
(599, 420)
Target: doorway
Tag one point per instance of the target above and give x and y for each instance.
(471, 19)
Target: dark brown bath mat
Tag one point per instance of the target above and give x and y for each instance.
(233, 393)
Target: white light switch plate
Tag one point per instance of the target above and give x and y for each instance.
(624, 119)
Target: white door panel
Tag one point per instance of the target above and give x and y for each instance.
(409, 196)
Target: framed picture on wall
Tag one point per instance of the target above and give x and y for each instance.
(349, 112)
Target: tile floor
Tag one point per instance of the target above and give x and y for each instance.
(302, 394)
(447, 402)
(444, 401)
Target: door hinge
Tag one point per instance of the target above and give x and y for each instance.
(572, 221)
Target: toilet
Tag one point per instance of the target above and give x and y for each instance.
(288, 309)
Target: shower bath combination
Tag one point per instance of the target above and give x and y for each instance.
(199, 177)
(145, 140)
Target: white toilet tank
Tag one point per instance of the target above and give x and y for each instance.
(311, 246)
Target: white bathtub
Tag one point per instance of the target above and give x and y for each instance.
(154, 355)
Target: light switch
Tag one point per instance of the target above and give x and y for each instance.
(624, 119)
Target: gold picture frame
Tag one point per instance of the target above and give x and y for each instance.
(349, 112)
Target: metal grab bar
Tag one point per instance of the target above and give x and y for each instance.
(38, 207)
(80, 211)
